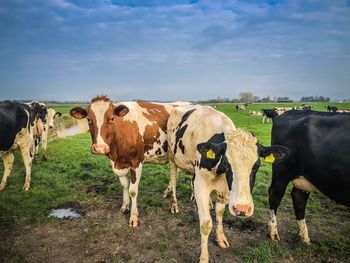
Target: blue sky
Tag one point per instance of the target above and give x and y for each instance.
(173, 50)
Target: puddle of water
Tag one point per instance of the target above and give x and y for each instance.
(64, 213)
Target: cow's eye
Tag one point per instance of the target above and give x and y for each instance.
(111, 120)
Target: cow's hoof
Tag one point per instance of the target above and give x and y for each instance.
(222, 242)
(174, 208)
(124, 209)
(2, 187)
(274, 236)
(134, 222)
(306, 241)
(167, 193)
(26, 186)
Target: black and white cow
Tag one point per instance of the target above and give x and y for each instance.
(205, 143)
(268, 114)
(41, 129)
(331, 108)
(17, 122)
(319, 161)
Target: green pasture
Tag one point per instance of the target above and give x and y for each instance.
(73, 173)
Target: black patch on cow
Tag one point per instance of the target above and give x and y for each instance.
(159, 151)
(165, 146)
(215, 143)
(182, 147)
(13, 118)
(180, 131)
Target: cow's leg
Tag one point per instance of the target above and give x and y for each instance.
(276, 192)
(220, 236)
(300, 198)
(27, 156)
(44, 144)
(8, 159)
(133, 192)
(173, 176)
(36, 148)
(167, 191)
(202, 195)
(124, 181)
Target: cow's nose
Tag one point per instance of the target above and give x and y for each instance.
(100, 148)
(242, 210)
(50, 126)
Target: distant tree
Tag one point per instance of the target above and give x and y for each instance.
(315, 99)
(246, 97)
(266, 99)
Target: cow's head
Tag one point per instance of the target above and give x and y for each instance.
(238, 158)
(51, 116)
(101, 114)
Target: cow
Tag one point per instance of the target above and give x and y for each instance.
(206, 144)
(41, 129)
(268, 114)
(130, 134)
(255, 113)
(241, 107)
(343, 111)
(331, 108)
(17, 122)
(306, 107)
(319, 161)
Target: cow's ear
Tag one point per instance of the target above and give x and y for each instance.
(211, 151)
(273, 153)
(78, 113)
(121, 110)
(58, 114)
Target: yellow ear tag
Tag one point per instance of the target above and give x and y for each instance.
(210, 154)
(270, 158)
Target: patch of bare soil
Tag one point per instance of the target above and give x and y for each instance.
(103, 235)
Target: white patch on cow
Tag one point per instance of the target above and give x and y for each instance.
(305, 185)
(151, 156)
(303, 232)
(272, 226)
(99, 108)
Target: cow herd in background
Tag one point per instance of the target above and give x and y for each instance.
(308, 148)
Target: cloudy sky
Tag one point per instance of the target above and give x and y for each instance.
(173, 50)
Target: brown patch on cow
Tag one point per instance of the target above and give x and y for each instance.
(98, 98)
(155, 113)
(127, 148)
(158, 115)
(133, 176)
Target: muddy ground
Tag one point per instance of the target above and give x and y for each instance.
(103, 235)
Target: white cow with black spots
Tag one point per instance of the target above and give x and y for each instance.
(205, 143)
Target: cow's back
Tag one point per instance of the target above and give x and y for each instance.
(319, 144)
(13, 118)
(190, 125)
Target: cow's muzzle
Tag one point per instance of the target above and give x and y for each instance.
(242, 210)
(100, 149)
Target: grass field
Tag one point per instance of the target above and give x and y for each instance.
(73, 176)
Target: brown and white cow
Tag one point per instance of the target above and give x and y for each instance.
(255, 113)
(130, 134)
(205, 143)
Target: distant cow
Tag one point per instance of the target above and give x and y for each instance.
(255, 113)
(130, 134)
(331, 108)
(306, 107)
(205, 143)
(16, 132)
(268, 114)
(41, 129)
(241, 107)
(319, 161)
